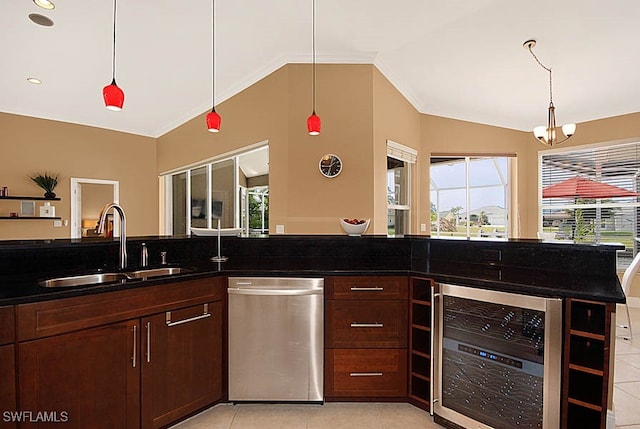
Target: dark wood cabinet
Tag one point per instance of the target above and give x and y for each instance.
(8, 400)
(366, 372)
(420, 314)
(366, 323)
(140, 357)
(366, 337)
(586, 371)
(7, 385)
(181, 363)
(89, 378)
(366, 287)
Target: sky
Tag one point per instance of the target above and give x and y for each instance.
(486, 187)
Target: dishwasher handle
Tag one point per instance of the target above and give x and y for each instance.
(273, 291)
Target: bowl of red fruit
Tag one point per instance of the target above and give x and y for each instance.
(353, 226)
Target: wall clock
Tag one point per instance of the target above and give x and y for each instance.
(330, 165)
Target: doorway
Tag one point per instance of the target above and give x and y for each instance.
(88, 197)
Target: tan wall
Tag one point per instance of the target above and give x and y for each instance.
(256, 114)
(344, 103)
(94, 198)
(32, 145)
(450, 136)
(276, 109)
(394, 118)
(360, 110)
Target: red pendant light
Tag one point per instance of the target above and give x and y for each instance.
(313, 121)
(112, 94)
(313, 124)
(213, 119)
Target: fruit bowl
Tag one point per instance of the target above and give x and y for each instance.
(354, 227)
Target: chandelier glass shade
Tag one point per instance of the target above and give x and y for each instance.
(549, 134)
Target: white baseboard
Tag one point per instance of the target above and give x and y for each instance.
(611, 419)
(633, 302)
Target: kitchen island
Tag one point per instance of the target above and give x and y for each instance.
(582, 276)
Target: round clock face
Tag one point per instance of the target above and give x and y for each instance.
(330, 165)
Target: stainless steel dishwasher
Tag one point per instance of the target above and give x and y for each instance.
(276, 339)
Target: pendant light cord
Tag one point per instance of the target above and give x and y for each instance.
(213, 55)
(313, 42)
(113, 62)
(547, 69)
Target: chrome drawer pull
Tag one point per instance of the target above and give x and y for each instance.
(365, 374)
(135, 342)
(367, 325)
(204, 315)
(148, 342)
(367, 289)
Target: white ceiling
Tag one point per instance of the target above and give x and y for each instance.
(456, 58)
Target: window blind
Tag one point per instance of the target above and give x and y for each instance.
(401, 152)
(592, 194)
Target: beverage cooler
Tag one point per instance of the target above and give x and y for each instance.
(498, 359)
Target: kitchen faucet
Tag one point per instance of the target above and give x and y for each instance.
(123, 230)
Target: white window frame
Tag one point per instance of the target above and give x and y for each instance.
(506, 183)
(166, 193)
(409, 156)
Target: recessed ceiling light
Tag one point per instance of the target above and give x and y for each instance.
(45, 4)
(40, 19)
(34, 80)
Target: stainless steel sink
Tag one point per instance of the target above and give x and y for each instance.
(84, 280)
(156, 272)
(100, 278)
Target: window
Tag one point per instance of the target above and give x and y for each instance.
(255, 212)
(590, 195)
(399, 160)
(469, 196)
(233, 191)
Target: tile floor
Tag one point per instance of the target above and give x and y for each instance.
(336, 415)
(626, 394)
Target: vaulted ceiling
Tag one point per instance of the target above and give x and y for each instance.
(461, 59)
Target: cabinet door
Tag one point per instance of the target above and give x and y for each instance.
(181, 363)
(7, 384)
(86, 379)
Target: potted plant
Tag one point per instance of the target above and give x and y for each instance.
(46, 182)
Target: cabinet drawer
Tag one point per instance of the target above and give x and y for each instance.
(367, 323)
(41, 319)
(367, 287)
(7, 325)
(366, 373)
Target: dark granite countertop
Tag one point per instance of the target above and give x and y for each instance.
(311, 256)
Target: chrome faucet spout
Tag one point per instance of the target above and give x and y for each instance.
(123, 230)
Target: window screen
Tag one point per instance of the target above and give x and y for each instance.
(590, 195)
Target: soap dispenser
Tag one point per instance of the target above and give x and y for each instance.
(144, 256)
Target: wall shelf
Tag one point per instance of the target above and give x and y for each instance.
(30, 218)
(26, 198)
(30, 198)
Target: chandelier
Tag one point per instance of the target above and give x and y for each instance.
(549, 134)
